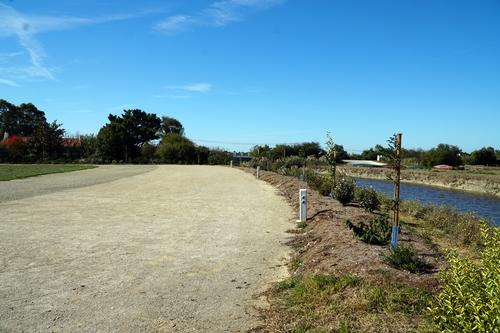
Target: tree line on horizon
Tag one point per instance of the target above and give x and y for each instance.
(136, 136)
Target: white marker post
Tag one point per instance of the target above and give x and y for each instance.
(231, 163)
(303, 205)
(258, 171)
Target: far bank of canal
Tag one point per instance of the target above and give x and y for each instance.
(483, 205)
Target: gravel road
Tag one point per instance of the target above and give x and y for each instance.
(167, 248)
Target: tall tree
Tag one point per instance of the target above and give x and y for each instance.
(175, 148)
(45, 142)
(20, 120)
(443, 154)
(123, 137)
(483, 156)
(171, 125)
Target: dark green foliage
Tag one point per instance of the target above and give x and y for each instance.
(344, 191)
(404, 257)
(123, 136)
(202, 154)
(177, 149)
(45, 142)
(219, 157)
(19, 120)
(377, 232)
(171, 125)
(88, 146)
(367, 198)
(148, 153)
(443, 154)
(483, 156)
(283, 151)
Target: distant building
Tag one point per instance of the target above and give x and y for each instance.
(365, 163)
(72, 142)
(442, 167)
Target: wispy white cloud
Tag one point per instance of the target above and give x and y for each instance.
(201, 87)
(218, 13)
(25, 28)
(9, 82)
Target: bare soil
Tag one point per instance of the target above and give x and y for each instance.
(173, 249)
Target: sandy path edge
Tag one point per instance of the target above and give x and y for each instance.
(177, 249)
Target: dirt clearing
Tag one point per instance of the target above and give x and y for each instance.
(175, 249)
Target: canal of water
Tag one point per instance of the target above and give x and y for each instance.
(484, 205)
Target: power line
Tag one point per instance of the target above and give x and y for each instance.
(260, 143)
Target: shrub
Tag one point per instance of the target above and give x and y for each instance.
(461, 227)
(378, 231)
(367, 198)
(288, 162)
(470, 298)
(344, 190)
(405, 258)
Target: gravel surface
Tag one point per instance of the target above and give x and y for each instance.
(176, 249)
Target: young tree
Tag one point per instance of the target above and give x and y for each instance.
(331, 157)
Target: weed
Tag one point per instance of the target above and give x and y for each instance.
(302, 225)
(296, 263)
(378, 231)
(405, 258)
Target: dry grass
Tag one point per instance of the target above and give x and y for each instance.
(341, 284)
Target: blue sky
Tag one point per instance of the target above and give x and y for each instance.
(238, 72)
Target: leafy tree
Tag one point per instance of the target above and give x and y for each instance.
(219, 157)
(19, 120)
(123, 137)
(46, 141)
(443, 154)
(175, 149)
(202, 154)
(483, 156)
(258, 152)
(371, 154)
(171, 125)
(148, 152)
(309, 149)
(88, 146)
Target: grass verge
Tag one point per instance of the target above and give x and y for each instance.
(18, 171)
(326, 303)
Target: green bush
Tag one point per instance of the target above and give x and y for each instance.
(378, 231)
(367, 198)
(344, 190)
(470, 298)
(405, 258)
